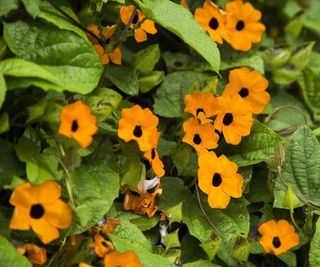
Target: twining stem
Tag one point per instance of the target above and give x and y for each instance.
(205, 214)
(68, 178)
(276, 110)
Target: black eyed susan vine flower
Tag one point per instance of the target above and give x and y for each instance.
(140, 24)
(125, 259)
(139, 125)
(242, 25)
(213, 20)
(234, 118)
(218, 178)
(201, 136)
(152, 155)
(77, 122)
(201, 105)
(250, 86)
(278, 237)
(101, 246)
(116, 55)
(34, 253)
(40, 208)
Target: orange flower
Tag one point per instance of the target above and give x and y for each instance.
(251, 86)
(201, 105)
(242, 25)
(40, 208)
(142, 202)
(278, 237)
(234, 118)
(101, 246)
(126, 259)
(115, 56)
(140, 24)
(201, 136)
(34, 253)
(218, 177)
(212, 20)
(110, 225)
(137, 124)
(153, 157)
(77, 122)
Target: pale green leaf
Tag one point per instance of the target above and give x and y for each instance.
(9, 255)
(146, 59)
(146, 258)
(4, 122)
(179, 21)
(201, 263)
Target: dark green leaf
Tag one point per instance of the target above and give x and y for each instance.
(169, 99)
(95, 185)
(314, 258)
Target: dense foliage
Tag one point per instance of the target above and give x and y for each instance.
(159, 133)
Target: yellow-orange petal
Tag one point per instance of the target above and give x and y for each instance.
(44, 230)
(217, 198)
(148, 26)
(116, 56)
(34, 253)
(20, 219)
(140, 35)
(58, 214)
(46, 193)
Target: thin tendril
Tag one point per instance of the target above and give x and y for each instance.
(276, 110)
(205, 214)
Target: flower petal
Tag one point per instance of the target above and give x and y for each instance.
(58, 214)
(44, 230)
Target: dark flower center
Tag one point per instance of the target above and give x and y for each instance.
(134, 193)
(36, 211)
(135, 18)
(240, 25)
(216, 179)
(137, 132)
(214, 24)
(199, 110)
(244, 92)
(153, 153)
(197, 139)
(105, 244)
(74, 126)
(227, 119)
(276, 242)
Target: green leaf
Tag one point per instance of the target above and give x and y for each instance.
(179, 21)
(301, 55)
(309, 83)
(169, 99)
(286, 74)
(231, 222)
(147, 82)
(3, 48)
(52, 15)
(9, 164)
(254, 61)
(257, 147)
(41, 167)
(95, 185)
(145, 257)
(7, 6)
(146, 59)
(132, 234)
(124, 77)
(201, 263)
(171, 240)
(290, 200)
(3, 89)
(145, 223)
(211, 247)
(314, 259)
(4, 123)
(32, 7)
(10, 257)
(301, 167)
(102, 102)
(68, 61)
(133, 170)
(208, 84)
(174, 214)
(37, 110)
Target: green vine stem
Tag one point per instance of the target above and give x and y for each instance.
(205, 214)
